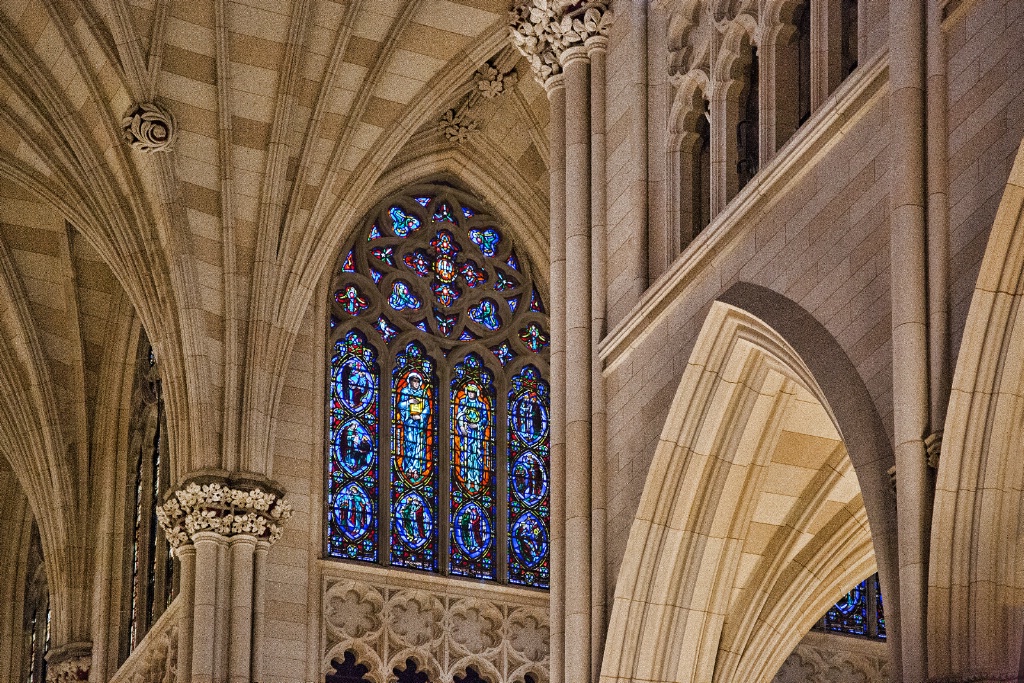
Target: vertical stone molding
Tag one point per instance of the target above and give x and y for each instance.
(221, 529)
(560, 41)
(69, 663)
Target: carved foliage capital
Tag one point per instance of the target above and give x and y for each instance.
(224, 509)
(149, 128)
(543, 29)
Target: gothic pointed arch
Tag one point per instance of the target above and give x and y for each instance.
(438, 399)
(974, 574)
(751, 524)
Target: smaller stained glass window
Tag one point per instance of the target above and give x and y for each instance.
(858, 613)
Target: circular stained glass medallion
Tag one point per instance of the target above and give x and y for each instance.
(354, 384)
(530, 478)
(353, 448)
(353, 511)
(529, 540)
(413, 520)
(529, 419)
(472, 530)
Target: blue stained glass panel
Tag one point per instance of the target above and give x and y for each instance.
(878, 608)
(386, 329)
(443, 214)
(349, 266)
(402, 297)
(850, 615)
(472, 469)
(503, 352)
(534, 337)
(374, 233)
(423, 201)
(350, 301)
(467, 336)
(487, 239)
(376, 275)
(414, 453)
(535, 303)
(445, 292)
(352, 467)
(528, 491)
(468, 212)
(384, 254)
(513, 303)
(445, 323)
(504, 282)
(419, 262)
(403, 223)
(512, 261)
(485, 314)
(473, 274)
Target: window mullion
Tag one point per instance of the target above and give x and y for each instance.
(444, 488)
(501, 472)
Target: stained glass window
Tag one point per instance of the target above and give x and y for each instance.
(150, 580)
(858, 613)
(437, 445)
(472, 472)
(352, 487)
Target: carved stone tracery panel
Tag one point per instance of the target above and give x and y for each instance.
(501, 639)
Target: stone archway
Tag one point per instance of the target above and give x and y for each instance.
(976, 585)
(751, 522)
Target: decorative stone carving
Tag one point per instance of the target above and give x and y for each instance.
(352, 611)
(457, 125)
(502, 638)
(415, 617)
(474, 625)
(223, 509)
(69, 670)
(543, 29)
(528, 634)
(489, 82)
(149, 128)
(69, 663)
(828, 658)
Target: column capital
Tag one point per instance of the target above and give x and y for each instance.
(69, 663)
(542, 30)
(229, 507)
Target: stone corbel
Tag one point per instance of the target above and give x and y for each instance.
(225, 507)
(69, 663)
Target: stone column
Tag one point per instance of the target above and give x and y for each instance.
(221, 528)
(575, 65)
(597, 47)
(562, 62)
(910, 327)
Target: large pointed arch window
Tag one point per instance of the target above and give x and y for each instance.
(438, 400)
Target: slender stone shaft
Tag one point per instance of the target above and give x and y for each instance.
(577, 364)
